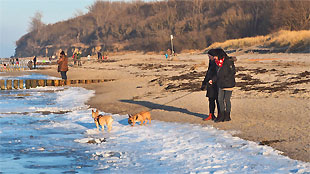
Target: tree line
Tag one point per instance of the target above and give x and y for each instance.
(147, 26)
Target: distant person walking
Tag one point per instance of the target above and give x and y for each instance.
(29, 64)
(12, 61)
(35, 62)
(225, 81)
(63, 65)
(78, 58)
(74, 58)
(212, 89)
(99, 55)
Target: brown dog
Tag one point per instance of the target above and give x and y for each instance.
(102, 120)
(143, 117)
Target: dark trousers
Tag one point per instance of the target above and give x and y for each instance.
(63, 75)
(212, 105)
(224, 100)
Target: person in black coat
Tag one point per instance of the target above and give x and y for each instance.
(35, 62)
(225, 81)
(212, 89)
(99, 55)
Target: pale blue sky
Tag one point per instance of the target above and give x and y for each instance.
(15, 17)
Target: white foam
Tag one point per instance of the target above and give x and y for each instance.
(186, 148)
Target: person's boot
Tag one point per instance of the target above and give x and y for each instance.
(213, 117)
(227, 116)
(209, 117)
(220, 117)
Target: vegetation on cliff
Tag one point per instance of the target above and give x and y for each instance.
(147, 26)
(282, 41)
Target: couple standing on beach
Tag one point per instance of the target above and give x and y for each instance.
(219, 80)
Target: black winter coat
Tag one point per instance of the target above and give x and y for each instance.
(226, 74)
(212, 90)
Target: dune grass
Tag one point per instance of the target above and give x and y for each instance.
(290, 41)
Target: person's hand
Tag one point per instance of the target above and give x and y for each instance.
(210, 82)
(203, 87)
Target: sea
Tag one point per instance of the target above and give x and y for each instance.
(50, 130)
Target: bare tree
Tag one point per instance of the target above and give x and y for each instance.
(36, 22)
(78, 13)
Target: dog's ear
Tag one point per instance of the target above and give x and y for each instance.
(92, 111)
(129, 115)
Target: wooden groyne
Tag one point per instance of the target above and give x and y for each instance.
(33, 83)
(13, 68)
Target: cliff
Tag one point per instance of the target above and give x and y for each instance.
(147, 26)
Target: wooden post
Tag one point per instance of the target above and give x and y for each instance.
(172, 52)
(56, 82)
(68, 82)
(2, 84)
(102, 80)
(15, 82)
(21, 84)
(9, 84)
(49, 83)
(62, 82)
(34, 83)
(41, 83)
(88, 81)
(74, 81)
(28, 82)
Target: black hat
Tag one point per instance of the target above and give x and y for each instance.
(219, 52)
(212, 52)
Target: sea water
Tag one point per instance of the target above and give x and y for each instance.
(50, 130)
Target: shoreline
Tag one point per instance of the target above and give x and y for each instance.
(278, 118)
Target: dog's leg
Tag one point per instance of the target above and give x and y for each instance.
(97, 125)
(102, 127)
(109, 127)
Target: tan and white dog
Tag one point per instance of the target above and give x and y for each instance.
(102, 120)
(143, 117)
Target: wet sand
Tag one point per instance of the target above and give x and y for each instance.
(270, 104)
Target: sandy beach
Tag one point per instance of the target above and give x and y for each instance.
(270, 104)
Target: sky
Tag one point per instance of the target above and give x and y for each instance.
(15, 17)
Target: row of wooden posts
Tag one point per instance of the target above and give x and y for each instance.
(31, 83)
(13, 69)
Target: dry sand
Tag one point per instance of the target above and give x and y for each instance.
(270, 105)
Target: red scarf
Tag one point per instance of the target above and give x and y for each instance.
(219, 62)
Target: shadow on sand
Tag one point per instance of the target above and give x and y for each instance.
(152, 106)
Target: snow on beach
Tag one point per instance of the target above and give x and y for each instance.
(54, 132)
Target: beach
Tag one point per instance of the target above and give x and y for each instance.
(270, 104)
